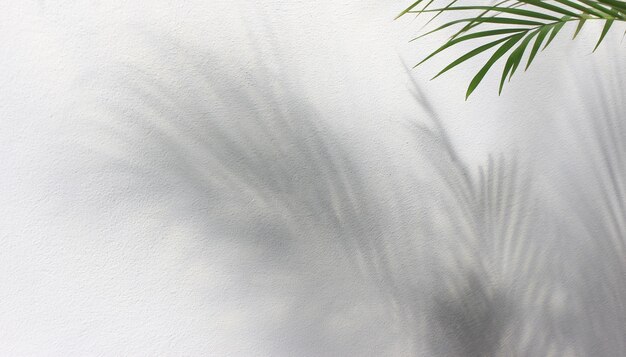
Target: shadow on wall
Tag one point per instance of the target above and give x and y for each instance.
(593, 189)
(477, 273)
(494, 278)
(269, 178)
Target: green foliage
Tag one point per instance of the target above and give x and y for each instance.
(513, 27)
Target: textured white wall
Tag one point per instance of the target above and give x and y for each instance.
(123, 237)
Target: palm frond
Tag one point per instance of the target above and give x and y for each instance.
(514, 28)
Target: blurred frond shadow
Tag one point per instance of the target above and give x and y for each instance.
(475, 274)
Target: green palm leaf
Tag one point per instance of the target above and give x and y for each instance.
(510, 26)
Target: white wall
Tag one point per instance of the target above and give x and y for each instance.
(131, 223)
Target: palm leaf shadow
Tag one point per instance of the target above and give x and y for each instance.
(279, 179)
(263, 167)
(495, 268)
(597, 202)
